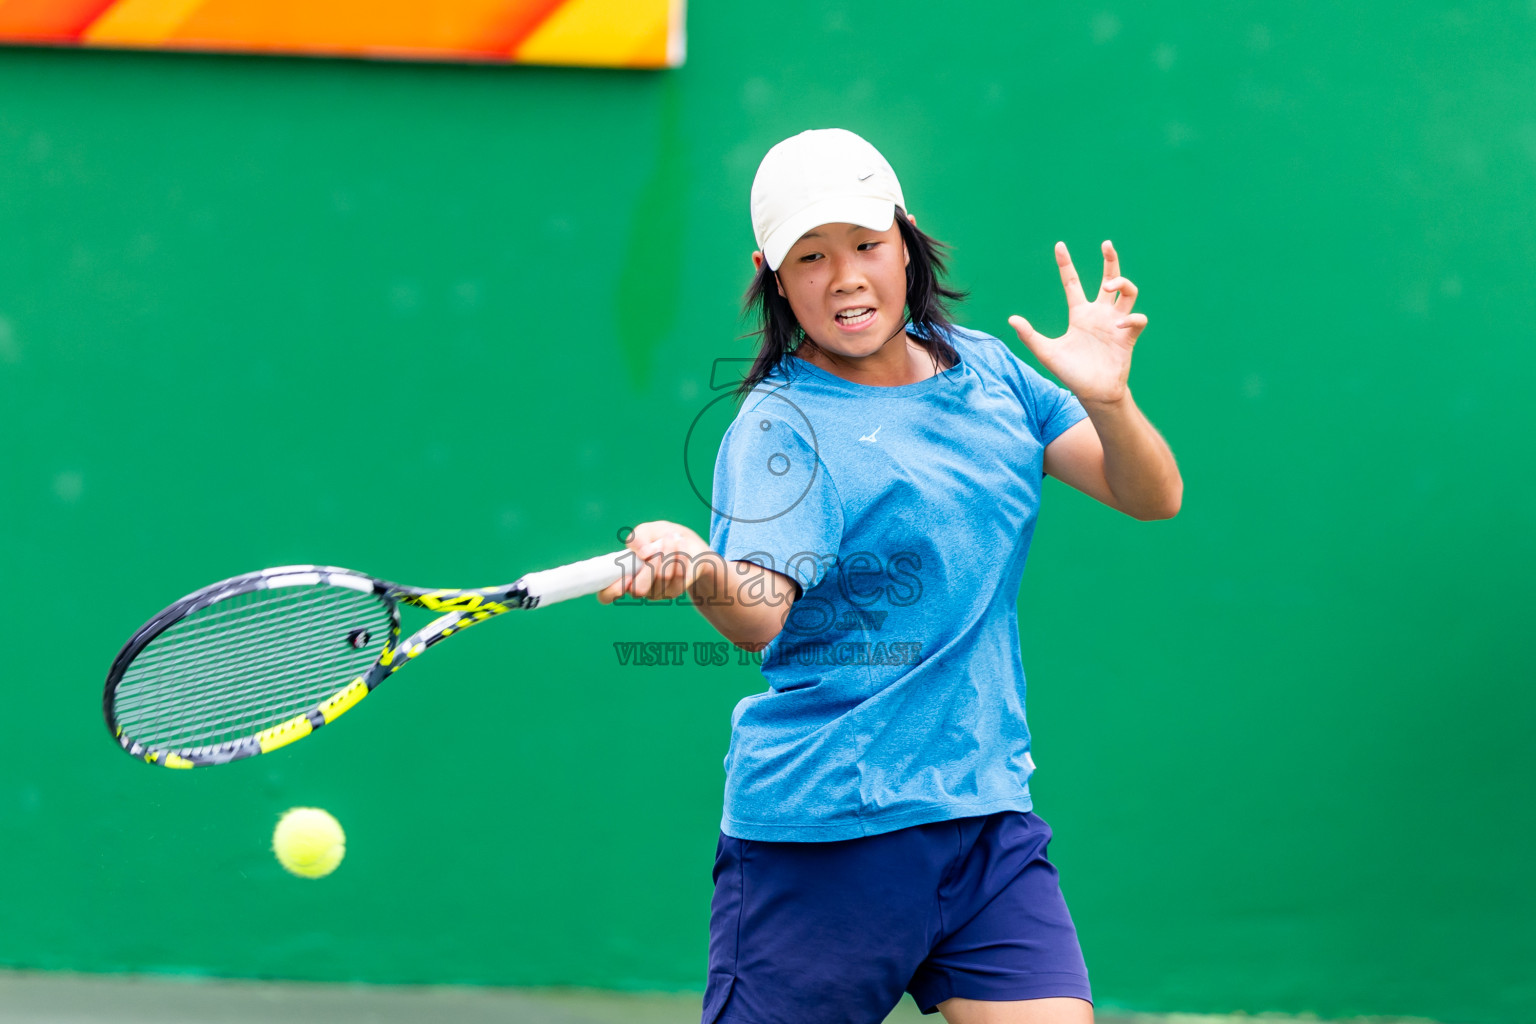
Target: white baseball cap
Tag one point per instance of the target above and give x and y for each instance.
(823, 176)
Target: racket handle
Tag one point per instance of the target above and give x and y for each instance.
(577, 579)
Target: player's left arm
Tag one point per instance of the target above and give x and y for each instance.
(1119, 458)
(1115, 455)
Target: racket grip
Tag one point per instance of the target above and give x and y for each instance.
(577, 579)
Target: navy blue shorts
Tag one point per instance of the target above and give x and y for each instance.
(804, 933)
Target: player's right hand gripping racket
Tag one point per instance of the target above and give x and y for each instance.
(255, 662)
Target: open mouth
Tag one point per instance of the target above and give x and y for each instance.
(856, 317)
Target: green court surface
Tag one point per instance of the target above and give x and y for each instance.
(59, 998)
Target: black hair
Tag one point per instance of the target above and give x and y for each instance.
(928, 300)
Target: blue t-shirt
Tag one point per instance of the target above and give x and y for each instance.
(896, 690)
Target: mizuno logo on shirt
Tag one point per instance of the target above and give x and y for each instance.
(872, 437)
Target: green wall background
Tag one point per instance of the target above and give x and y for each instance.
(448, 324)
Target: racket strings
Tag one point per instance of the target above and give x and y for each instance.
(198, 675)
(278, 691)
(283, 672)
(247, 663)
(296, 692)
(206, 694)
(202, 680)
(283, 693)
(191, 649)
(265, 672)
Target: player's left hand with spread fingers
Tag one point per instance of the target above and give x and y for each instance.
(665, 563)
(1093, 358)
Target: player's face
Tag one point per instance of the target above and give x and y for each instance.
(847, 286)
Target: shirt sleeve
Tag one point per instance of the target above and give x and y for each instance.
(1052, 406)
(1049, 408)
(774, 503)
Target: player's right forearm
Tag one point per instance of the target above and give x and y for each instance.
(746, 603)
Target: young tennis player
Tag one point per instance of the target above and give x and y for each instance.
(874, 503)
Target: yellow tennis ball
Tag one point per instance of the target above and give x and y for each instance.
(309, 842)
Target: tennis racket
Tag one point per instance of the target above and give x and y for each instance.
(253, 663)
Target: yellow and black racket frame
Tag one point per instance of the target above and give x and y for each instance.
(459, 609)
